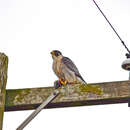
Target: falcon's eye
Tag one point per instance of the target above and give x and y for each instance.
(57, 53)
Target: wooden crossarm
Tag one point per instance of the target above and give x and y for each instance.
(28, 99)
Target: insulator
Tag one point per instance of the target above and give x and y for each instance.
(126, 64)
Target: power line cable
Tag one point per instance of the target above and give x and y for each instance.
(123, 43)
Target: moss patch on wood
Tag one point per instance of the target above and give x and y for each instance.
(91, 89)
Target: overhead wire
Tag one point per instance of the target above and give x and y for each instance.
(123, 43)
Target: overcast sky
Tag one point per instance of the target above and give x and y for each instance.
(30, 29)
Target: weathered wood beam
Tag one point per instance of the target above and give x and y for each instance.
(27, 99)
(3, 80)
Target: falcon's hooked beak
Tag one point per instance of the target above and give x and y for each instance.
(52, 53)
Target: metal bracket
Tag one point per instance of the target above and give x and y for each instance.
(48, 100)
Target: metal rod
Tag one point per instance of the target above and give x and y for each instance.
(111, 26)
(49, 99)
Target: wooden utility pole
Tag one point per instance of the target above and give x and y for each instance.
(3, 80)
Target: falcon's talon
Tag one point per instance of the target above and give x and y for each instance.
(63, 82)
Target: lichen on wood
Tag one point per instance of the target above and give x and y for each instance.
(3, 80)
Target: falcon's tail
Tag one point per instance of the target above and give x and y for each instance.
(81, 79)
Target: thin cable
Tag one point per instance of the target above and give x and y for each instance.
(112, 27)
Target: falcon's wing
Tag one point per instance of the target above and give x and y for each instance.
(69, 63)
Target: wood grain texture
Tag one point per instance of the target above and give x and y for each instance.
(3, 80)
(27, 99)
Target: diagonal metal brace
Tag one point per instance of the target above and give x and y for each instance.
(48, 100)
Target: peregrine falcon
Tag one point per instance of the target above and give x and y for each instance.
(65, 69)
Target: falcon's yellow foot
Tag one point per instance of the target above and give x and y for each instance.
(63, 82)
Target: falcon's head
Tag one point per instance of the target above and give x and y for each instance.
(56, 54)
